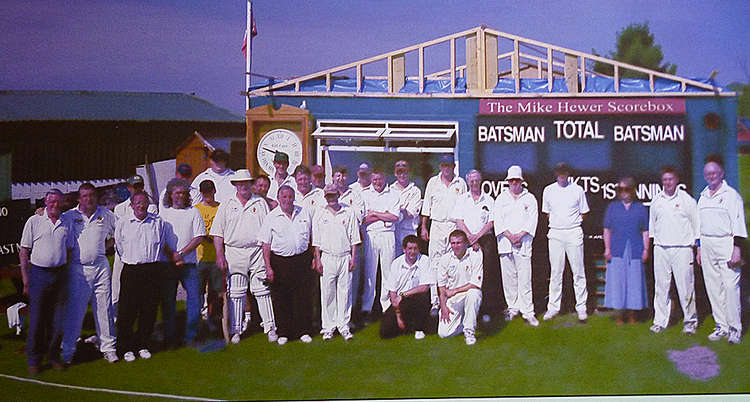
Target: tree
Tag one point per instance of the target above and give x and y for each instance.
(636, 45)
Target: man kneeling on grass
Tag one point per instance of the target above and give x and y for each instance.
(459, 281)
(408, 287)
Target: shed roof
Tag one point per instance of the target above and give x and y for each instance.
(110, 106)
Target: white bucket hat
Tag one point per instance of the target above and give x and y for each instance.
(514, 172)
(241, 175)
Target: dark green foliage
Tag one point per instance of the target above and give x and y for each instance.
(636, 45)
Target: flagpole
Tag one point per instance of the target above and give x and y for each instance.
(249, 53)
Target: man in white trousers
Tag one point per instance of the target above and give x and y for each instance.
(673, 225)
(565, 204)
(335, 235)
(410, 202)
(515, 215)
(722, 230)
(235, 231)
(381, 214)
(88, 275)
(459, 280)
(440, 197)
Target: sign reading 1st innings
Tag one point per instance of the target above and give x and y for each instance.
(603, 139)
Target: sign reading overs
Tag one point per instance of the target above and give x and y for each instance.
(602, 139)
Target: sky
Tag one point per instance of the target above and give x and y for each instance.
(194, 46)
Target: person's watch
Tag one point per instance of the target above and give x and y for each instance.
(401, 294)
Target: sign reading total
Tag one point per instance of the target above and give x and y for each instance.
(582, 106)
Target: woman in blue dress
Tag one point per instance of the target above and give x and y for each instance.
(626, 248)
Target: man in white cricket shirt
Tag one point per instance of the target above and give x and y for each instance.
(565, 204)
(410, 202)
(673, 225)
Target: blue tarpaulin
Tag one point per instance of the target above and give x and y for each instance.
(530, 85)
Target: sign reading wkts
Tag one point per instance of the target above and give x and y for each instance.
(582, 106)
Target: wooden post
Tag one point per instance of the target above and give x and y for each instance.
(571, 73)
(453, 65)
(490, 61)
(397, 73)
(471, 73)
(549, 69)
(515, 59)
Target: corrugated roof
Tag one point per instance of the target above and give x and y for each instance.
(109, 105)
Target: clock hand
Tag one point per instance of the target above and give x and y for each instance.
(269, 150)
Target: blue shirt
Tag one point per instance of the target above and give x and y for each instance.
(626, 225)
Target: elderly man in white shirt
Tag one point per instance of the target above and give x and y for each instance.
(515, 215)
(335, 235)
(440, 197)
(722, 230)
(565, 204)
(306, 195)
(410, 203)
(123, 209)
(219, 173)
(285, 236)
(46, 245)
(409, 293)
(473, 215)
(140, 239)
(93, 227)
(185, 231)
(674, 228)
(381, 212)
(238, 251)
(459, 280)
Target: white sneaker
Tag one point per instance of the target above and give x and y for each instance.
(144, 354)
(582, 316)
(690, 328)
(734, 336)
(129, 357)
(282, 340)
(656, 328)
(717, 334)
(235, 339)
(531, 320)
(272, 337)
(111, 357)
(549, 315)
(328, 335)
(418, 335)
(305, 338)
(93, 339)
(346, 334)
(470, 338)
(510, 315)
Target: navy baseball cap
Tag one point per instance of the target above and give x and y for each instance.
(185, 170)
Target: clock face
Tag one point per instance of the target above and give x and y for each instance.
(279, 140)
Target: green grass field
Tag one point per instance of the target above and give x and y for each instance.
(558, 358)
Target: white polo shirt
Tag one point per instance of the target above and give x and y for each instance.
(124, 209)
(405, 277)
(91, 234)
(454, 272)
(273, 188)
(410, 200)
(474, 213)
(49, 242)
(239, 225)
(313, 200)
(224, 187)
(673, 221)
(515, 215)
(357, 187)
(335, 232)
(721, 214)
(440, 199)
(140, 241)
(565, 205)
(287, 237)
(183, 225)
(384, 201)
(353, 199)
